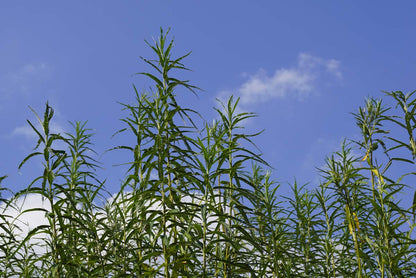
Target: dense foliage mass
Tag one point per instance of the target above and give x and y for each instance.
(200, 202)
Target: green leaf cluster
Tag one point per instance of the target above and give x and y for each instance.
(200, 201)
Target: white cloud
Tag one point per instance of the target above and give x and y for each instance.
(27, 131)
(298, 82)
(332, 66)
(23, 223)
(260, 88)
(29, 220)
(25, 80)
(29, 135)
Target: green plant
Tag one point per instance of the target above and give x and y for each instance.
(201, 201)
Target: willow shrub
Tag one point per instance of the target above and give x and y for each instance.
(200, 201)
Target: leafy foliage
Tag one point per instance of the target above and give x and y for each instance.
(200, 202)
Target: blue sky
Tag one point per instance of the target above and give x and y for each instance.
(302, 66)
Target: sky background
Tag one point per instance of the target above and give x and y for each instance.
(302, 66)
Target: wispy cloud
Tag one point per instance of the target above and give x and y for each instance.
(27, 131)
(319, 149)
(322, 148)
(24, 80)
(297, 82)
